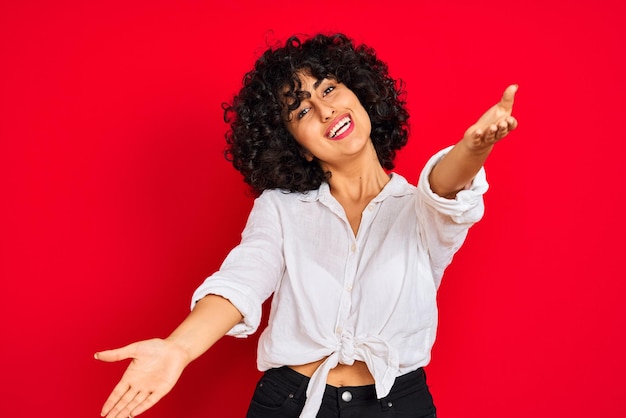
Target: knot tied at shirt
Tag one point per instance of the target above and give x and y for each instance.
(346, 350)
(380, 357)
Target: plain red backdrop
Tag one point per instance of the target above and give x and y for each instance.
(116, 201)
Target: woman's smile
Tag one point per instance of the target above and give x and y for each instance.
(341, 127)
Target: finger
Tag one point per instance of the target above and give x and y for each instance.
(116, 354)
(503, 129)
(129, 409)
(490, 134)
(508, 97)
(115, 397)
(512, 122)
(120, 409)
(147, 403)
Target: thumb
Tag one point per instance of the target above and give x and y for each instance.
(116, 354)
(508, 97)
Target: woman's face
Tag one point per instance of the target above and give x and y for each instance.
(331, 125)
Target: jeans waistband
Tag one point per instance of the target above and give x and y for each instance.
(299, 382)
(368, 392)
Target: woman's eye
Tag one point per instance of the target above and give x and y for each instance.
(328, 90)
(303, 112)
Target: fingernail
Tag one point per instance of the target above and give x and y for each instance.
(96, 356)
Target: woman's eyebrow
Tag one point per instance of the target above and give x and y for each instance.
(316, 85)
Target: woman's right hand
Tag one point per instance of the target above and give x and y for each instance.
(155, 367)
(157, 364)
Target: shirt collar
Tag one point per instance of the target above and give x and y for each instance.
(397, 186)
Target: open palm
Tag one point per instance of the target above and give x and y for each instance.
(494, 124)
(155, 367)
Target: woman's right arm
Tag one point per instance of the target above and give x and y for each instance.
(158, 363)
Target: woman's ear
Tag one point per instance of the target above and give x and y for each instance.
(307, 155)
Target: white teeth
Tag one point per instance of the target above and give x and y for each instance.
(340, 127)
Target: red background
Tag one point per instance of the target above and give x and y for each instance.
(116, 201)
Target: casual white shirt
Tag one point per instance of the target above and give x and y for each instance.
(369, 297)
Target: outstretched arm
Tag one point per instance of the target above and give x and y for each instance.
(456, 170)
(157, 364)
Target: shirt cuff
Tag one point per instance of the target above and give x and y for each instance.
(243, 301)
(467, 206)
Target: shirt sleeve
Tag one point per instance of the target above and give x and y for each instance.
(444, 223)
(252, 269)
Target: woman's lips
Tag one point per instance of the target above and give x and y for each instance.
(342, 127)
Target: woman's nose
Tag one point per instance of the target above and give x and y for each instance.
(326, 111)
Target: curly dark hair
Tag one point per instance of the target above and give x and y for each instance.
(258, 143)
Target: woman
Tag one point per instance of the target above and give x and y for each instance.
(352, 253)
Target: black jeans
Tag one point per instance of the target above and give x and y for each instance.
(281, 393)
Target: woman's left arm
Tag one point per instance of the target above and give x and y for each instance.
(456, 170)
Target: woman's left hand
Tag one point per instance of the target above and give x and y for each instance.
(494, 125)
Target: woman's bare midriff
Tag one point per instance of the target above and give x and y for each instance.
(356, 374)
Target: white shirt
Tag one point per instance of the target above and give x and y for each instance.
(369, 297)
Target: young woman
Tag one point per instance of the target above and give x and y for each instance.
(352, 252)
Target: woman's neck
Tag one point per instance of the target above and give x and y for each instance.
(354, 191)
(357, 186)
(358, 180)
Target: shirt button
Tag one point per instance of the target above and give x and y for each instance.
(348, 288)
(346, 396)
(338, 330)
(353, 248)
(370, 208)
